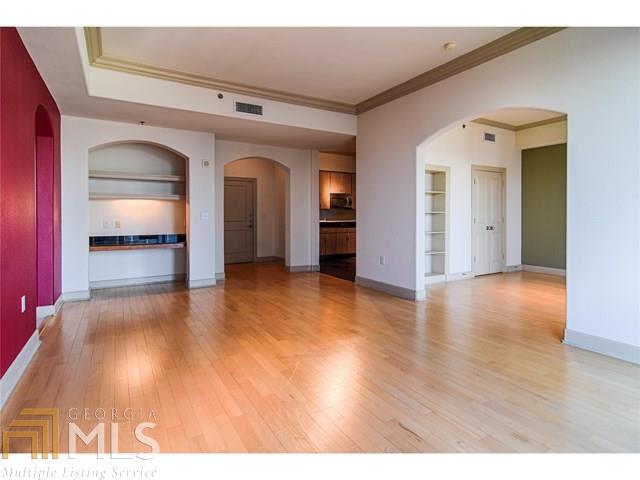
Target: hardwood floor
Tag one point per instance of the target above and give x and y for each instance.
(307, 362)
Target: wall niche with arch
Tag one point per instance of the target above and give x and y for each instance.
(137, 214)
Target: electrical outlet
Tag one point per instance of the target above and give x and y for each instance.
(383, 260)
(105, 224)
(23, 303)
(117, 224)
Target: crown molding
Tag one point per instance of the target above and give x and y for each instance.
(97, 59)
(524, 126)
(505, 44)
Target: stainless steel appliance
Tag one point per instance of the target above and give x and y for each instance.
(341, 200)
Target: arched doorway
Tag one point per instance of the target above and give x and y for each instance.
(44, 163)
(256, 211)
(492, 197)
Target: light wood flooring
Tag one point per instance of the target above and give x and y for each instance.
(277, 362)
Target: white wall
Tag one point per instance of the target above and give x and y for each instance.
(459, 148)
(593, 75)
(301, 204)
(270, 202)
(118, 267)
(81, 134)
(541, 136)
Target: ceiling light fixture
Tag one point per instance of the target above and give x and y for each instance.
(450, 45)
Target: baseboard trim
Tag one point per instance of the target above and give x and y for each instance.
(604, 346)
(393, 290)
(15, 371)
(512, 268)
(271, 258)
(202, 283)
(78, 296)
(454, 277)
(561, 272)
(45, 311)
(220, 277)
(127, 282)
(302, 268)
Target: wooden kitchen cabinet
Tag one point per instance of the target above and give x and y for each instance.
(325, 190)
(342, 241)
(337, 241)
(340, 182)
(351, 240)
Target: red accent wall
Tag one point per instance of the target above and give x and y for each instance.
(22, 91)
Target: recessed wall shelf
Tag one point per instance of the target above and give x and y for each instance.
(133, 196)
(435, 224)
(146, 177)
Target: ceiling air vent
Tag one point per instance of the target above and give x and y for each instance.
(489, 137)
(243, 107)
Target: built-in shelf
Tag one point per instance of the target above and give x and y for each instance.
(435, 209)
(109, 248)
(134, 196)
(146, 177)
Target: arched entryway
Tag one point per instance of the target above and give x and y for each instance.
(256, 211)
(45, 177)
(492, 197)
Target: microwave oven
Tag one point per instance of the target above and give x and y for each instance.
(341, 200)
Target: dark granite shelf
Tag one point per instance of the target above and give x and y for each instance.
(136, 242)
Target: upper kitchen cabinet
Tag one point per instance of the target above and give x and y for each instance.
(340, 182)
(325, 190)
(353, 192)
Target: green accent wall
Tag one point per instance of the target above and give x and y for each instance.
(544, 206)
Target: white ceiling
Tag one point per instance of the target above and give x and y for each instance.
(520, 116)
(345, 65)
(55, 53)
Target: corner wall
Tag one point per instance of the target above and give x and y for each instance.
(591, 74)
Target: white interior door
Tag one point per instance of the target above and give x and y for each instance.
(488, 222)
(239, 215)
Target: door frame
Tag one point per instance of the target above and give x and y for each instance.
(253, 181)
(503, 172)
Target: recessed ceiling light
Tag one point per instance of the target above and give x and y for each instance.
(450, 45)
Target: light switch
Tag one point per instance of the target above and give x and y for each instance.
(117, 225)
(204, 215)
(383, 260)
(105, 224)
(23, 303)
